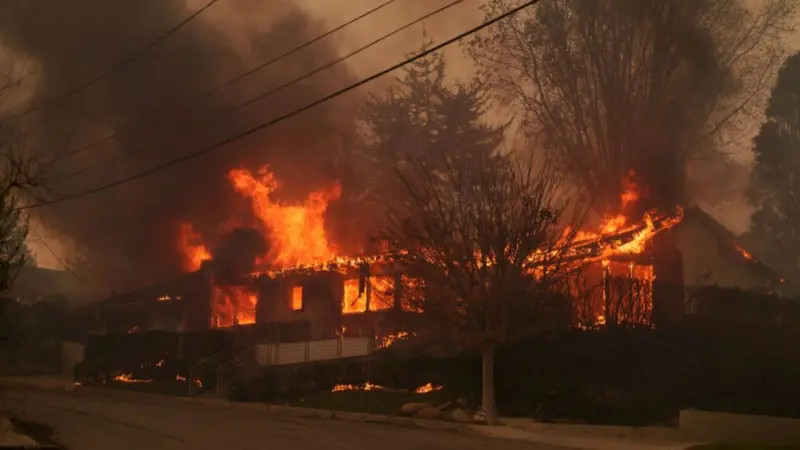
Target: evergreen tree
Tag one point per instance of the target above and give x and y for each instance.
(422, 118)
(775, 186)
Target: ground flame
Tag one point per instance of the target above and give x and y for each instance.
(356, 387)
(129, 378)
(426, 388)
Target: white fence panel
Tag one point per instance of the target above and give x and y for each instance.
(264, 354)
(321, 350)
(355, 347)
(291, 353)
(300, 352)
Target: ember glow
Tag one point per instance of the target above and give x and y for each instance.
(745, 254)
(128, 378)
(356, 387)
(427, 388)
(390, 339)
(297, 298)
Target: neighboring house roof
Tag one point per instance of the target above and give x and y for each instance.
(730, 245)
(34, 283)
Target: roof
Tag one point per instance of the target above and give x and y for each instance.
(724, 236)
(37, 282)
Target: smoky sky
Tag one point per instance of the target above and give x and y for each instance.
(130, 232)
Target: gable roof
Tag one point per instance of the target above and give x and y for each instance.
(736, 251)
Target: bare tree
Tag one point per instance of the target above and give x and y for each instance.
(616, 85)
(486, 234)
(21, 172)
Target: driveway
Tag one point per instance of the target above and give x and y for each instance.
(88, 419)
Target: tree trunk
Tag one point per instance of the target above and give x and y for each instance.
(487, 400)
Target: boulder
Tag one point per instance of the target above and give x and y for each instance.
(10, 438)
(459, 415)
(445, 406)
(430, 413)
(410, 409)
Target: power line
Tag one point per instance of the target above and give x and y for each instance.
(53, 253)
(136, 125)
(283, 117)
(285, 85)
(119, 65)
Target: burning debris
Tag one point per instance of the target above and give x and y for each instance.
(129, 378)
(745, 254)
(368, 386)
(390, 339)
(353, 387)
(426, 388)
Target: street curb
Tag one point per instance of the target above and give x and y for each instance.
(326, 414)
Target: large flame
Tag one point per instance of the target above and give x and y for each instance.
(191, 245)
(233, 305)
(610, 288)
(296, 232)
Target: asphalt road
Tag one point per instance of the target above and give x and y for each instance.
(97, 419)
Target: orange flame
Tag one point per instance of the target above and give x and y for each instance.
(630, 191)
(353, 302)
(390, 339)
(426, 388)
(745, 254)
(355, 387)
(233, 305)
(191, 246)
(128, 378)
(296, 232)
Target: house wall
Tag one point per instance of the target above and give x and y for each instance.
(323, 296)
(184, 305)
(321, 308)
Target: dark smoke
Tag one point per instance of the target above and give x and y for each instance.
(236, 253)
(130, 232)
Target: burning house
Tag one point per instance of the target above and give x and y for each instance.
(281, 268)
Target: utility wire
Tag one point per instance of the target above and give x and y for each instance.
(281, 118)
(53, 253)
(158, 109)
(113, 69)
(280, 87)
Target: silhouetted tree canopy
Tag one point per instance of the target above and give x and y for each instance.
(643, 85)
(775, 186)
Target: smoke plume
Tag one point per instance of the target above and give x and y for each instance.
(129, 233)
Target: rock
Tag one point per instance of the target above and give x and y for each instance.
(5, 425)
(430, 413)
(445, 406)
(410, 409)
(459, 415)
(10, 438)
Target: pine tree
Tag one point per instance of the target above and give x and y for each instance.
(421, 118)
(775, 185)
